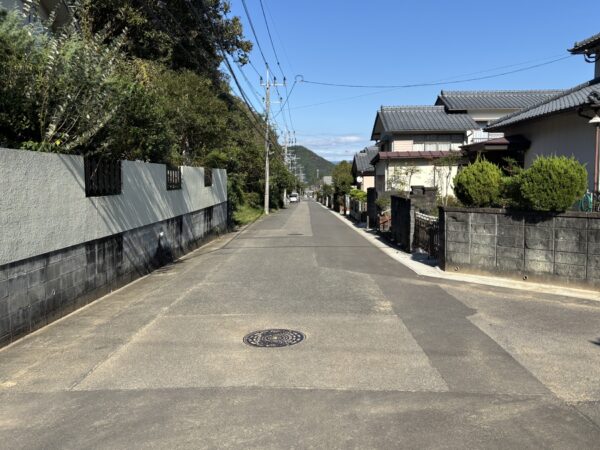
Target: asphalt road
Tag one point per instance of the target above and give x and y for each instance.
(390, 359)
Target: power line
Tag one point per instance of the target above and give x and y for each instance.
(262, 7)
(434, 83)
(254, 32)
(285, 54)
(251, 110)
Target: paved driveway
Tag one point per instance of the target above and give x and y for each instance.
(390, 359)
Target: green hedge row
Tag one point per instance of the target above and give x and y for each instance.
(553, 183)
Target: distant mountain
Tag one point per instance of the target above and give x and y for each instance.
(310, 161)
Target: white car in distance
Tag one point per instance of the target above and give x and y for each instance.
(294, 198)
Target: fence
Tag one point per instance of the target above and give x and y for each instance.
(538, 246)
(427, 234)
(73, 229)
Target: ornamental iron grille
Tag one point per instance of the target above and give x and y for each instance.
(102, 176)
(173, 178)
(208, 177)
(427, 234)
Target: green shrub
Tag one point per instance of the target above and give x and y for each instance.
(357, 194)
(253, 199)
(552, 183)
(479, 184)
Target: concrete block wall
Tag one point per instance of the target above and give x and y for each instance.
(41, 289)
(559, 248)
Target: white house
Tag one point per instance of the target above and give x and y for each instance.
(413, 141)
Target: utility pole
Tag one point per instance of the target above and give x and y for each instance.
(285, 160)
(267, 85)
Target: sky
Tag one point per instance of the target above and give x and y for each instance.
(398, 42)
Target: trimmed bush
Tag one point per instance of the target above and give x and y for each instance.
(553, 183)
(479, 184)
(357, 194)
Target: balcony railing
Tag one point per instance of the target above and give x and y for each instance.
(481, 136)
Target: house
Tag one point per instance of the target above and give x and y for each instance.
(60, 9)
(566, 123)
(362, 169)
(418, 145)
(487, 106)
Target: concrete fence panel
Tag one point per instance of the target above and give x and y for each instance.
(557, 248)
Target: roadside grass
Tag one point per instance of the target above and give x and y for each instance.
(246, 214)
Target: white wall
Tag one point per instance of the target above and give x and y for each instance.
(564, 134)
(427, 174)
(43, 206)
(487, 115)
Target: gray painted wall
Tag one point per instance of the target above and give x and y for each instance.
(564, 134)
(43, 207)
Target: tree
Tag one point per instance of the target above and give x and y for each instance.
(442, 175)
(181, 34)
(342, 178)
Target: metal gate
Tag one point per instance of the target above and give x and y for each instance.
(427, 234)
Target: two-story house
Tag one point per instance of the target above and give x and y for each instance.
(418, 145)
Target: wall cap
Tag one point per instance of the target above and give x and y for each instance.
(503, 211)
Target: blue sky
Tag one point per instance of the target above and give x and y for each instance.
(393, 42)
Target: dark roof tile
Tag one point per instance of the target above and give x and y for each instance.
(407, 119)
(571, 99)
(593, 42)
(473, 100)
(362, 159)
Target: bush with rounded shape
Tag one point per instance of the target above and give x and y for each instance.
(553, 183)
(479, 184)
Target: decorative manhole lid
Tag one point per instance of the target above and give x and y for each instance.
(273, 338)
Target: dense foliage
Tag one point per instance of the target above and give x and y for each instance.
(180, 34)
(342, 178)
(136, 80)
(479, 184)
(359, 195)
(552, 183)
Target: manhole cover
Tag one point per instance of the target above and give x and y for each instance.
(273, 338)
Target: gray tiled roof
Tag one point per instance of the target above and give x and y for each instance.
(571, 99)
(402, 119)
(589, 43)
(362, 159)
(473, 100)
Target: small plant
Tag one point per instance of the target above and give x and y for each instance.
(479, 184)
(553, 183)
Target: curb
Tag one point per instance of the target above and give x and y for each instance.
(419, 268)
